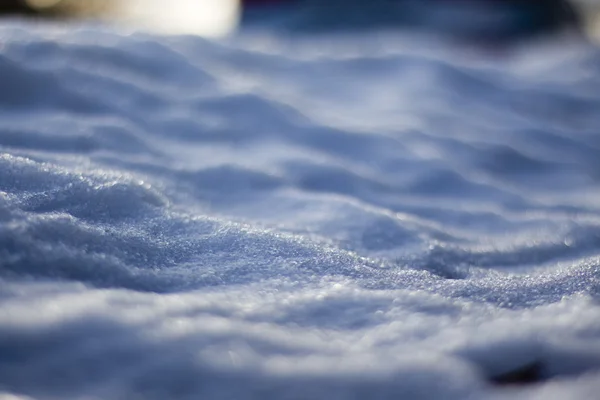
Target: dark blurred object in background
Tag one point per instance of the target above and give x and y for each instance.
(16, 7)
(57, 8)
(476, 19)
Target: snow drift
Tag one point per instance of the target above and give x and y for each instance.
(274, 218)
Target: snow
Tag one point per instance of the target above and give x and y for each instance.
(272, 217)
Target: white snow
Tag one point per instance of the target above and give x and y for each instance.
(271, 217)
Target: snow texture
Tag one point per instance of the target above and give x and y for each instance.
(268, 217)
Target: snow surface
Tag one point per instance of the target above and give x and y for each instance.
(266, 217)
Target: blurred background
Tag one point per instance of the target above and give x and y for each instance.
(220, 17)
(200, 17)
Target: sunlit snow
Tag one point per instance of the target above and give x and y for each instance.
(271, 217)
